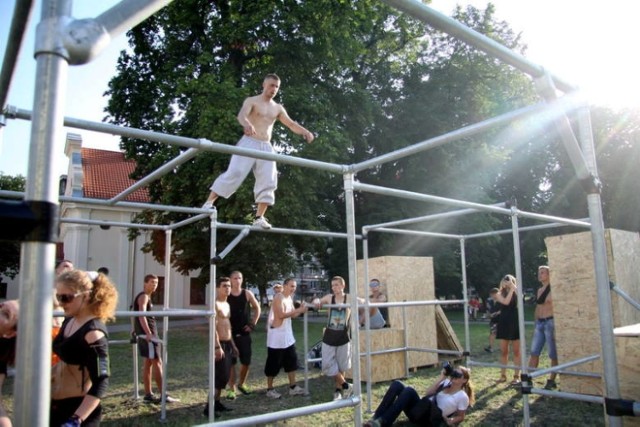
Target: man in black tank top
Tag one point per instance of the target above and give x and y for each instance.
(245, 313)
(148, 341)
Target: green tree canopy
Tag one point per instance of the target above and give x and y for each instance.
(367, 81)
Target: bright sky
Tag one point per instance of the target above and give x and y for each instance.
(589, 44)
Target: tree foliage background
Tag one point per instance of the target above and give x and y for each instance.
(367, 81)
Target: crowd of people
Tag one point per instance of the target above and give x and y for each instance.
(80, 362)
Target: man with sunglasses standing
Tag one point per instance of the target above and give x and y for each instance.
(148, 341)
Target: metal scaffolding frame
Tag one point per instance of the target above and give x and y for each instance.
(62, 40)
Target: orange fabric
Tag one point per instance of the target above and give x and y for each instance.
(55, 330)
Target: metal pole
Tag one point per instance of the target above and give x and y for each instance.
(520, 300)
(353, 280)
(182, 141)
(463, 267)
(367, 335)
(19, 23)
(609, 360)
(405, 337)
(626, 297)
(431, 217)
(212, 319)
(165, 321)
(451, 26)
(157, 174)
(32, 392)
(305, 332)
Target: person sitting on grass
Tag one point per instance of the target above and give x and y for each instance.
(446, 401)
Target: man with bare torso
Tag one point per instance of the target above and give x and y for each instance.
(257, 116)
(224, 346)
(545, 328)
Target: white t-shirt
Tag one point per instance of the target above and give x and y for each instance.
(282, 336)
(450, 403)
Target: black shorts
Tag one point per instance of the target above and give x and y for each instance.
(277, 358)
(223, 367)
(243, 342)
(149, 349)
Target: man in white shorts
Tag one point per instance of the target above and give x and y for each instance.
(257, 116)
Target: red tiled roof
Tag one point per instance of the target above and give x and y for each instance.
(106, 174)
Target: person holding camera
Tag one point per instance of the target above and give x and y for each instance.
(445, 402)
(508, 330)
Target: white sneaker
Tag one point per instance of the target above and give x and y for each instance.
(347, 392)
(337, 395)
(262, 222)
(207, 205)
(297, 391)
(273, 394)
(170, 399)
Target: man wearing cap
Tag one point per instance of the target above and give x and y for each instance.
(376, 319)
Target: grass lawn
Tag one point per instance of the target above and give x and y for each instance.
(496, 405)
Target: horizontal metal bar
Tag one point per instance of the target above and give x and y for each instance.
(435, 350)
(528, 228)
(417, 233)
(432, 217)
(201, 144)
(271, 417)
(166, 313)
(102, 223)
(376, 189)
(565, 395)
(278, 230)
(542, 372)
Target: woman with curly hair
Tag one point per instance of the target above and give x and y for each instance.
(81, 377)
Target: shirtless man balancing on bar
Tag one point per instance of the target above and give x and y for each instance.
(257, 116)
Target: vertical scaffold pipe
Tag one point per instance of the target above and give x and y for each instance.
(609, 359)
(465, 293)
(165, 321)
(212, 308)
(32, 390)
(517, 259)
(351, 251)
(367, 335)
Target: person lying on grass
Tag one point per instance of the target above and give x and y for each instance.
(445, 402)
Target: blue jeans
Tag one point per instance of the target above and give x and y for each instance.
(398, 398)
(544, 332)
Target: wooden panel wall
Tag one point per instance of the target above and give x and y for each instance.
(404, 279)
(576, 307)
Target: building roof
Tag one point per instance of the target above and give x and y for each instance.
(106, 174)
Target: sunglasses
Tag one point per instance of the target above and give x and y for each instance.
(67, 298)
(457, 374)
